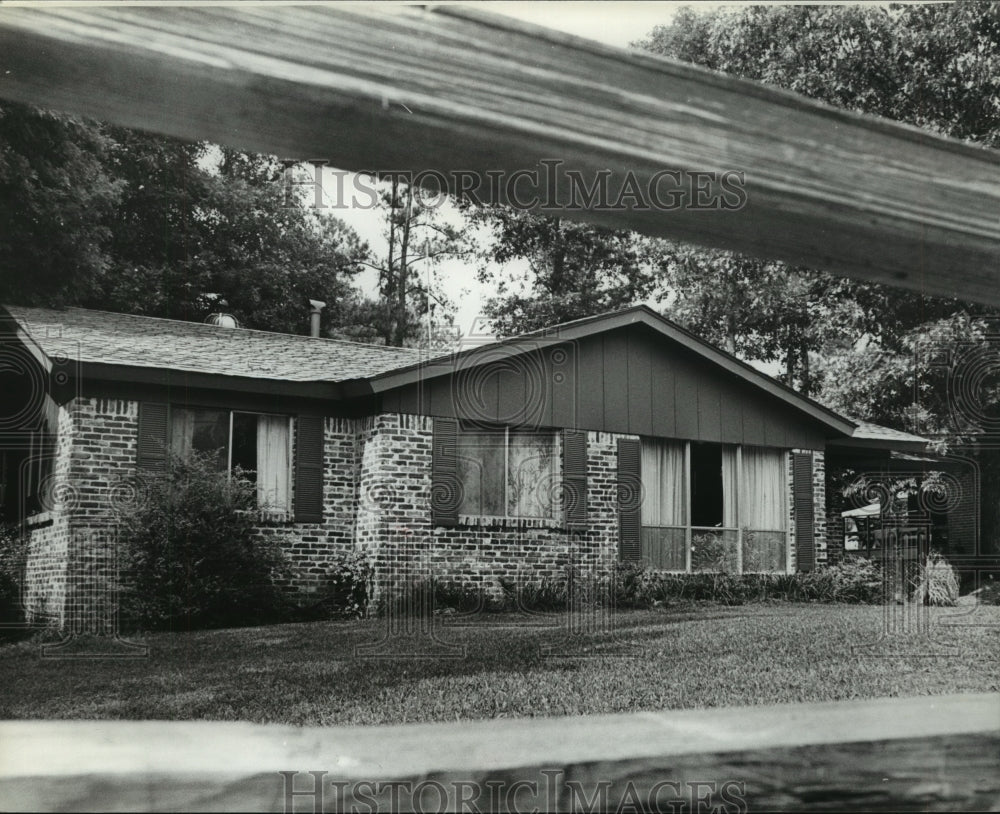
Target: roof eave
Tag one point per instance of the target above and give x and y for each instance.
(175, 377)
(886, 445)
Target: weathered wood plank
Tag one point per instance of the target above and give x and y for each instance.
(456, 89)
(930, 753)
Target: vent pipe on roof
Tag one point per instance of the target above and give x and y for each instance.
(317, 306)
(220, 317)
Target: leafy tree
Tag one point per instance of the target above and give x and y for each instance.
(112, 218)
(936, 66)
(56, 202)
(573, 269)
(909, 64)
(417, 239)
(195, 220)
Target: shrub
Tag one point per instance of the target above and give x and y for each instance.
(191, 555)
(13, 553)
(346, 590)
(710, 551)
(440, 594)
(856, 581)
(937, 583)
(573, 589)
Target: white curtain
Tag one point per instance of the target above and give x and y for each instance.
(200, 430)
(663, 483)
(530, 474)
(762, 498)
(181, 431)
(729, 488)
(273, 462)
(481, 473)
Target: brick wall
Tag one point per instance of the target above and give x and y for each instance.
(394, 518)
(377, 498)
(819, 507)
(48, 533)
(72, 547)
(313, 547)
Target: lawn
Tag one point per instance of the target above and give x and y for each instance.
(693, 656)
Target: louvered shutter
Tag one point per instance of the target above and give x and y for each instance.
(629, 500)
(575, 478)
(151, 446)
(309, 469)
(446, 491)
(802, 490)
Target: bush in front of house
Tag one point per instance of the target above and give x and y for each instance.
(855, 581)
(191, 556)
(346, 590)
(937, 583)
(13, 552)
(442, 594)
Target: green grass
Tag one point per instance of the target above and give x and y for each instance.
(698, 656)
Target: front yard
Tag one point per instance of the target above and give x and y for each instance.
(693, 656)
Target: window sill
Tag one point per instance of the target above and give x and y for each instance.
(270, 517)
(509, 522)
(39, 520)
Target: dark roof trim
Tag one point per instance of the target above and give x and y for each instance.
(876, 445)
(166, 377)
(589, 326)
(901, 463)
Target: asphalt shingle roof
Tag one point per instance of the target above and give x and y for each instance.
(151, 342)
(876, 432)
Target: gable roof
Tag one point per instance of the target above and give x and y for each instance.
(589, 326)
(127, 340)
(103, 340)
(878, 438)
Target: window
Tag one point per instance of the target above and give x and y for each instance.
(506, 473)
(734, 496)
(259, 444)
(26, 469)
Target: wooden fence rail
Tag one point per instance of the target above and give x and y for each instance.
(383, 87)
(927, 754)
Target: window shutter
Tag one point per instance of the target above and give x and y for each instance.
(802, 490)
(309, 469)
(151, 446)
(575, 478)
(629, 500)
(446, 491)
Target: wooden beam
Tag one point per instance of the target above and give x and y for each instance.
(926, 754)
(384, 87)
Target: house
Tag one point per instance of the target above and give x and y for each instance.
(620, 436)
